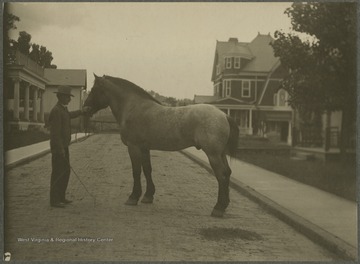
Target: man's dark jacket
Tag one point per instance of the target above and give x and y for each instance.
(60, 127)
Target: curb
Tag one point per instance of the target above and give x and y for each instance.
(34, 156)
(26, 159)
(310, 230)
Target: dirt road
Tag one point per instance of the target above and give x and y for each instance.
(176, 227)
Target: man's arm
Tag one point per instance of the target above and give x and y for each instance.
(56, 136)
(84, 111)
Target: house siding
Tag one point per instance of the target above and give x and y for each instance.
(268, 98)
(279, 72)
(255, 114)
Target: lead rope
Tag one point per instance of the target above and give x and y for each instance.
(86, 189)
(87, 135)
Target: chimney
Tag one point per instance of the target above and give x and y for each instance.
(234, 40)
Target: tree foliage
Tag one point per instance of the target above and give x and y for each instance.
(9, 24)
(323, 69)
(23, 43)
(170, 101)
(42, 56)
(36, 52)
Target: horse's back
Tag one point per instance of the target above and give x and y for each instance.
(174, 128)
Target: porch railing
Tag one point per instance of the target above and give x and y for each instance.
(18, 58)
(311, 137)
(307, 137)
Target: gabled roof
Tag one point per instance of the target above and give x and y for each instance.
(258, 52)
(233, 47)
(66, 77)
(264, 59)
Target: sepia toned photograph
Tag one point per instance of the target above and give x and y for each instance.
(180, 131)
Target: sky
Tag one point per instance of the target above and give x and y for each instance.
(165, 47)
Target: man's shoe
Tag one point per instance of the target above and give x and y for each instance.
(66, 201)
(58, 205)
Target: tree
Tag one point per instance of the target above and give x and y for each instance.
(322, 71)
(35, 52)
(9, 24)
(42, 56)
(46, 58)
(23, 42)
(171, 101)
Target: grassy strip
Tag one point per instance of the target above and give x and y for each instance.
(19, 139)
(337, 177)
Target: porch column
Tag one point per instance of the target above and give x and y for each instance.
(228, 111)
(289, 139)
(26, 102)
(327, 131)
(16, 98)
(35, 95)
(41, 106)
(250, 122)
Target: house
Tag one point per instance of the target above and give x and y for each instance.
(29, 92)
(76, 79)
(24, 88)
(246, 80)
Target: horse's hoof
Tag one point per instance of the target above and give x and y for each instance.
(217, 213)
(131, 201)
(147, 199)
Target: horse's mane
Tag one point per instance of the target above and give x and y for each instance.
(131, 87)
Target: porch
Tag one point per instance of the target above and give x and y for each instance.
(271, 124)
(24, 87)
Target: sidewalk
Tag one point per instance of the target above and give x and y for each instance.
(327, 219)
(17, 156)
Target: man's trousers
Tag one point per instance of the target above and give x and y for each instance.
(59, 176)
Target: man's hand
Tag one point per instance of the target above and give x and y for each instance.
(86, 110)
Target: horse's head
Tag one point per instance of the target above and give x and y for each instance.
(97, 98)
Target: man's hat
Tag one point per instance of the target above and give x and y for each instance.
(63, 89)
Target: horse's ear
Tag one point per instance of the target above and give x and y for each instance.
(96, 77)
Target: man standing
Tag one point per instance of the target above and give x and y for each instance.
(60, 137)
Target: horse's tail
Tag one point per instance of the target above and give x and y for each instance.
(233, 137)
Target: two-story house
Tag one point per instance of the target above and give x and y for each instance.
(246, 79)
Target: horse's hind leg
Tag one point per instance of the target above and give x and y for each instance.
(227, 169)
(150, 187)
(135, 156)
(222, 172)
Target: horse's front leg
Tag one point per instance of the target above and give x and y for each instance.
(135, 156)
(150, 187)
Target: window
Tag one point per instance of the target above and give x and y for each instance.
(282, 97)
(218, 69)
(282, 100)
(245, 89)
(227, 88)
(237, 62)
(228, 63)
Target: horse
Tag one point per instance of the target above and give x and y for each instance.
(146, 124)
